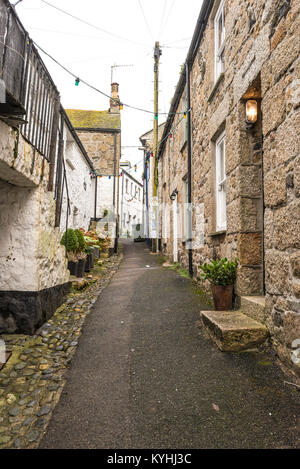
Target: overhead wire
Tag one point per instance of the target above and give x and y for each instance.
(161, 141)
(162, 18)
(168, 15)
(92, 25)
(145, 19)
(96, 89)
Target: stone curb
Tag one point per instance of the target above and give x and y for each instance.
(32, 381)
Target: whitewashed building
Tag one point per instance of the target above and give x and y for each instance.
(46, 183)
(131, 205)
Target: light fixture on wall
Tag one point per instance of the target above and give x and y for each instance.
(251, 113)
(174, 194)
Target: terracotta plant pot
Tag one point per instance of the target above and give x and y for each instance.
(80, 268)
(222, 295)
(72, 266)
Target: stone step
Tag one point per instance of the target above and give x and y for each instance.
(254, 307)
(232, 330)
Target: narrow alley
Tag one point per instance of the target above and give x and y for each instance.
(146, 376)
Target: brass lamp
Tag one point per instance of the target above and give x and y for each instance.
(251, 112)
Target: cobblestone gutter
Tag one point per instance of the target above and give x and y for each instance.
(32, 380)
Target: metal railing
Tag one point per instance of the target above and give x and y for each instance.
(30, 91)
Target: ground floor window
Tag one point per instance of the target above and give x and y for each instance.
(220, 184)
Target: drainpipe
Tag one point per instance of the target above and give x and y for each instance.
(189, 151)
(96, 188)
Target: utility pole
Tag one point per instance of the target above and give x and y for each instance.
(157, 54)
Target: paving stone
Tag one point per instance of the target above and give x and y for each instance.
(33, 373)
(43, 411)
(27, 421)
(4, 439)
(20, 366)
(18, 443)
(32, 404)
(14, 411)
(32, 435)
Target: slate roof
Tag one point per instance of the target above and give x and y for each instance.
(82, 119)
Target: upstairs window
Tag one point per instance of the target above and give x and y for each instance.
(220, 184)
(219, 26)
(126, 186)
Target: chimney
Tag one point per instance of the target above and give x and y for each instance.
(114, 103)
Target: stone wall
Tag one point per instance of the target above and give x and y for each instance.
(262, 164)
(100, 146)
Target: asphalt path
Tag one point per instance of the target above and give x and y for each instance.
(146, 376)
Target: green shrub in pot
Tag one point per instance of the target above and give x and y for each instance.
(221, 273)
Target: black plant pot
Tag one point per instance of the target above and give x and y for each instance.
(87, 267)
(96, 253)
(80, 268)
(72, 266)
(92, 259)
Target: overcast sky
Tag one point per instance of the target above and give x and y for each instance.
(134, 26)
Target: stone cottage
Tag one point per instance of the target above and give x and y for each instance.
(240, 90)
(100, 133)
(46, 183)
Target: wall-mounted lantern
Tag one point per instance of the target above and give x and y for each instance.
(251, 112)
(174, 194)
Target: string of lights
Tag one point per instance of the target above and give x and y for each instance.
(80, 80)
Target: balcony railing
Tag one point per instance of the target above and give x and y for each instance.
(31, 95)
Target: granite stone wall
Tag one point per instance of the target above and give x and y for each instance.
(262, 164)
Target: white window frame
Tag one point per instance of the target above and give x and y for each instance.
(220, 184)
(219, 49)
(186, 211)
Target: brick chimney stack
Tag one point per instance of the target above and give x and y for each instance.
(114, 103)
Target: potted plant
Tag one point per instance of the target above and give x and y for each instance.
(89, 264)
(81, 255)
(70, 241)
(221, 274)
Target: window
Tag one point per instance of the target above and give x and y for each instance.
(220, 184)
(219, 27)
(126, 186)
(131, 188)
(139, 193)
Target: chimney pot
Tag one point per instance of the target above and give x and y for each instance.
(114, 102)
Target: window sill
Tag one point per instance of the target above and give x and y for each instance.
(215, 87)
(217, 233)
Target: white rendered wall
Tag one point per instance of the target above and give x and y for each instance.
(81, 187)
(105, 194)
(130, 205)
(31, 257)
